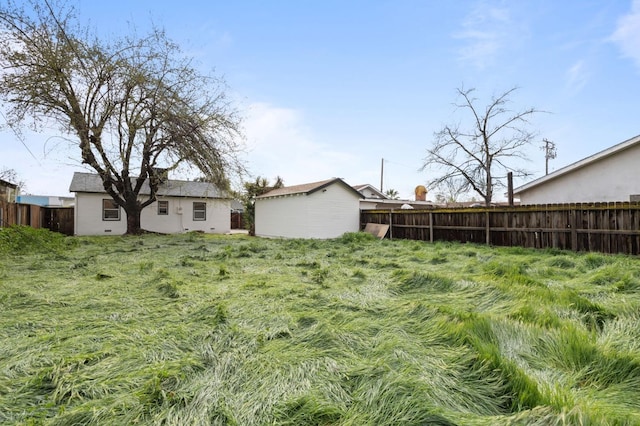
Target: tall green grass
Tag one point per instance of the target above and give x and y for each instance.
(223, 330)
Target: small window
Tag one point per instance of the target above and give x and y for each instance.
(199, 211)
(110, 210)
(163, 207)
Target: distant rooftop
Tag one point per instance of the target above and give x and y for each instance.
(7, 184)
(92, 183)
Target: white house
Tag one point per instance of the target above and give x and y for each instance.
(609, 175)
(181, 206)
(325, 209)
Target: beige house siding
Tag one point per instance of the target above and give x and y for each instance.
(613, 178)
(88, 216)
(326, 213)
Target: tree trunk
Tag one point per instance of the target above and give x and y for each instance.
(133, 219)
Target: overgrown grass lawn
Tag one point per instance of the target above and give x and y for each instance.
(231, 330)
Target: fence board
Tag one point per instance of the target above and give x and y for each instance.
(58, 219)
(602, 227)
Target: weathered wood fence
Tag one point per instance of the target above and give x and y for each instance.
(59, 219)
(237, 220)
(601, 227)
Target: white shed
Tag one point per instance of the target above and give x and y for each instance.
(325, 209)
(181, 206)
(609, 175)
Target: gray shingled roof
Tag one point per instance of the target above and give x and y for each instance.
(90, 182)
(307, 188)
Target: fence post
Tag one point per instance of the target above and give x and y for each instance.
(391, 224)
(574, 231)
(487, 228)
(430, 227)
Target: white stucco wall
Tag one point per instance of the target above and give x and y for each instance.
(88, 216)
(327, 213)
(613, 178)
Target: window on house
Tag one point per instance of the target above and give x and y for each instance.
(110, 210)
(199, 211)
(163, 207)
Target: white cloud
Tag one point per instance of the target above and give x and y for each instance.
(577, 77)
(280, 144)
(486, 30)
(627, 33)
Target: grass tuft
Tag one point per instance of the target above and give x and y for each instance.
(355, 238)
(169, 289)
(424, 282)
(18, 239)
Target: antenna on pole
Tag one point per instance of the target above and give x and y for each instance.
(550, 153)
(381, 173)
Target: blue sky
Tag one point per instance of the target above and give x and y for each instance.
(329, 88)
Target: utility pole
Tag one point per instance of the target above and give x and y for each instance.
(550, 153)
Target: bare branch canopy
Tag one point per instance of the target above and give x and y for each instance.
(132, 106)
(479, 155)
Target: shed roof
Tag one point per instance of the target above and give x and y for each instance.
(92, 183)
(615, 149)
(308, 188)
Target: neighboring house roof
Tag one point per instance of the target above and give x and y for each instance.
(308, 188)
(92, 183)
(580, 164)
(237, 205)
(45, 200)
(371, 188)
(6, 184)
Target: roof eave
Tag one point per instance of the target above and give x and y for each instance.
(331, 182)
(579, 164)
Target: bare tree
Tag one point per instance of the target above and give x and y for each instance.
(481, 154)
(132, 106)
(451, 190)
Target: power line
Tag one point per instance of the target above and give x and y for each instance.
(20, 138)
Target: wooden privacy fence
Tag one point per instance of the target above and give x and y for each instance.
(601, 227)
(237, 220)
(20, 214)
(58, 219)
